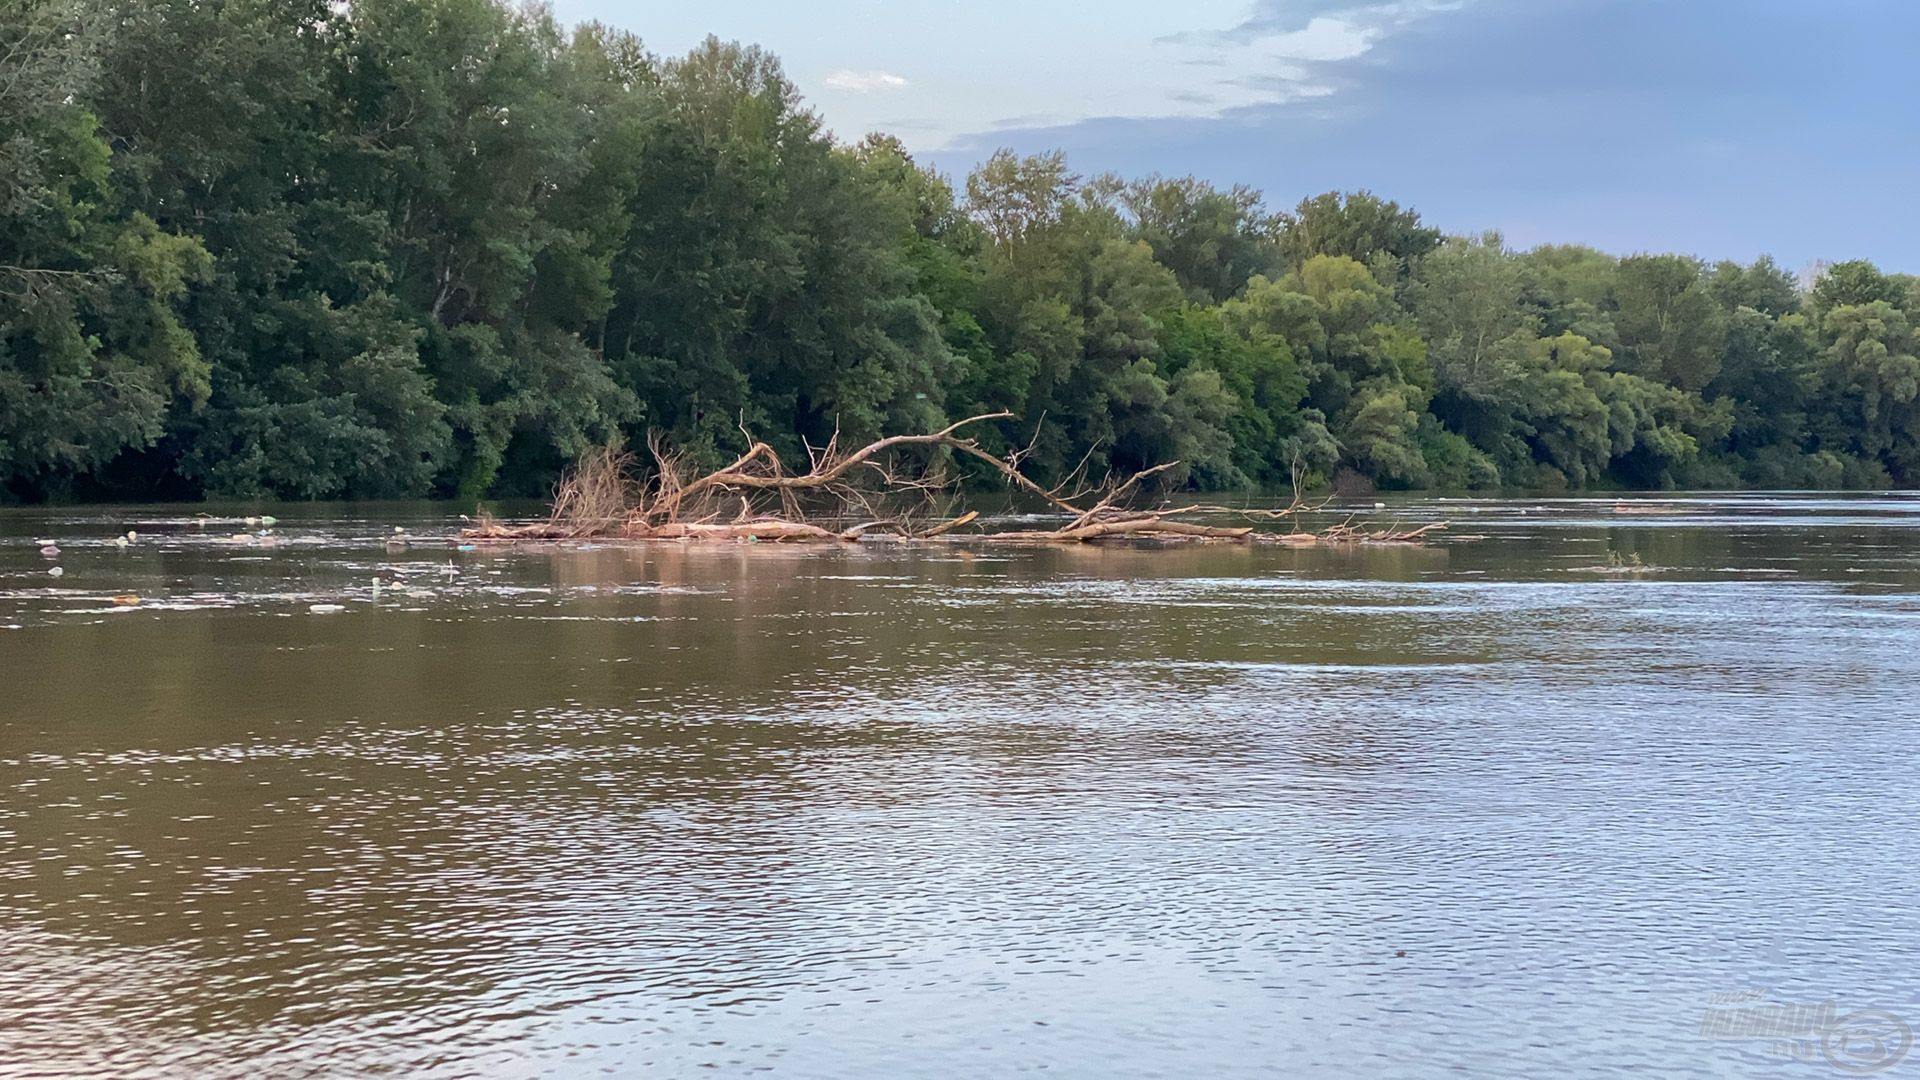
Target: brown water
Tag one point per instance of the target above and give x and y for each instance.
(1484, 806)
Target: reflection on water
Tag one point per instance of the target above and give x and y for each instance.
(1511, 805)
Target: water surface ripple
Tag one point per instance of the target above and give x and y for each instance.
(1528, 801)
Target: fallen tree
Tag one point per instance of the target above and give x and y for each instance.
(872, 492)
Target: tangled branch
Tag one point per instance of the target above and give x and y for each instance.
(872, 491)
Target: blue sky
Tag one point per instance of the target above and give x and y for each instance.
(1725, 128)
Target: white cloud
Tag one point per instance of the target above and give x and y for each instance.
(1324, 38)
(861, 82)
(1271, 57)
(1139, 59)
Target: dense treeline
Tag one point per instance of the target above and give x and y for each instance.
(401, 247)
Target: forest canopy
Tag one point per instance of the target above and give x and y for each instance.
(394, 248)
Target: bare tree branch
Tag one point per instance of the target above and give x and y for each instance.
(871, 487)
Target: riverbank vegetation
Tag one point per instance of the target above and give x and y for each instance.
(392, 248)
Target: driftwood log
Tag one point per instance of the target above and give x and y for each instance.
(872, 492)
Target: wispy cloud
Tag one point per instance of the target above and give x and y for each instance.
(1030, 120)
(1282, 21)
(1325, 39)
(1198, 60)
(862, 82)
(1284, 51)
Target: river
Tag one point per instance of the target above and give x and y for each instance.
(1543, 797)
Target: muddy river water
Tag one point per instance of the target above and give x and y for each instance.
(1566, 793)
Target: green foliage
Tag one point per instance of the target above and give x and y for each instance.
(1763, 286)
(93, 353)
(1854, 284)
(1566, 421)
(374, 248)
(1263, 390)
(1214, 241)
(1452, 461)
(1670, 329)
(1358, 226)
(1469, 303)
(1867, 382)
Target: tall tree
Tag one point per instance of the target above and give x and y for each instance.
(1214, 241)
(325, 248)
(93, 354)
(1357, 226)
(1669, 327)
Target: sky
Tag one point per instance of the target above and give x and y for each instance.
(1721, 128)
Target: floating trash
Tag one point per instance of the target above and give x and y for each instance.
(57, 572)
(121, 541)
(126, 600)
(132, 537)
(269, 520)
(326, 609)
(50, 549)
